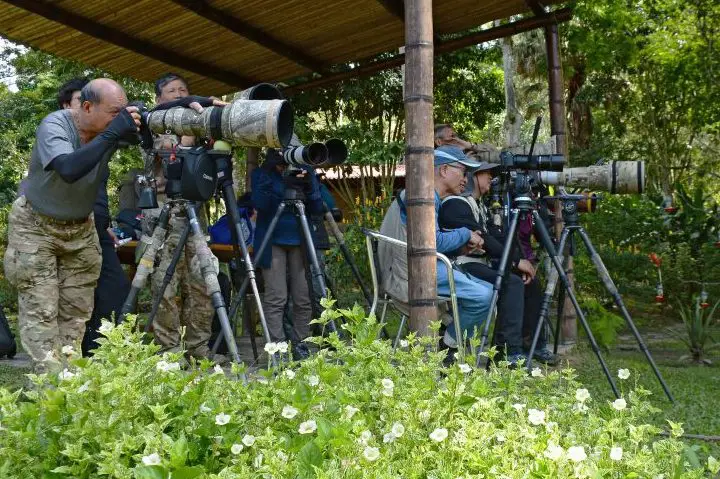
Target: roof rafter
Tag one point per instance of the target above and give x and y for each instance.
(254, 34)
(494, 33)
(128, 42)
(395, 7)
(537, 7)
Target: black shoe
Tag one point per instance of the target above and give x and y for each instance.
(545, 356)
(300, 351)
(450, 359)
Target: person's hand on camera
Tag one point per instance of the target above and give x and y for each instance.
(455, 141)
(199, 108)
(124, 126)
(527, 270)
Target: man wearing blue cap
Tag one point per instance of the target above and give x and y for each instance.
(473, 294)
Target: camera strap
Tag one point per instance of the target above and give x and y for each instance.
(215, 123)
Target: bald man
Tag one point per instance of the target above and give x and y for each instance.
(53, 254)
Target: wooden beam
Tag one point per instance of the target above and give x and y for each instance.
(371, 67)
(254, 34)
(128, 42)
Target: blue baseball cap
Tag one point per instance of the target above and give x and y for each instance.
(447, 154)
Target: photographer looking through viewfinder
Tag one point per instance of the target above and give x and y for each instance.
(53, 254)
(287, 256)
(185, 301)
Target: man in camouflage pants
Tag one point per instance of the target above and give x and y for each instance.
(185, 302)
(53, 255)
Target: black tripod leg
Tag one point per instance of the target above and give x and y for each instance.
(211, 281)
(315, 271)
(558, 321)
(231, 206)
(502, 267)
(147, 262)
(169, 272)
(604, 276)
(547, 243)
(347, 255)
(547, 298)
(258, 254)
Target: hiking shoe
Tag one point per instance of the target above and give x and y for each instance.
(545, 356)
(516, 359)
(451, 352)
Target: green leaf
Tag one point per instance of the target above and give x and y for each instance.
(309, 457)
(187, 472)
(179, 452)
(150, 472)
(303, 393)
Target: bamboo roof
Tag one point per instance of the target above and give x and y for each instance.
(222, 46)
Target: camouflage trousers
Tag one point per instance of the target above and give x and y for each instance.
(55, 269)
(185, 302)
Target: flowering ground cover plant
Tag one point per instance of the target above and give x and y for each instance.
(357, 409)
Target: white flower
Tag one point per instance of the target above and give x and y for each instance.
(398, 429)
(550, 426)
(553, 452)
(222, 419)
(67, 349)
(623, 373)
(313, 380)
(289, 412)
(536, 417)
(307, 427)
(619, 404)
(350, 411)
(236, 449)
(500, 437)
(365, 437)
(204, 408)
(439, 434)
(388, 392)
(248, 440)
(404, 343)
(282, 456)
(582, 395)
(536, 373)
(388, 383)
(106, 327)
(66, 374)
(389, 437)
(616, 453)
(576, 453)
(465, 368)
(371, 453)
(84, 387)
(518, 407)
(151, 460)
(165, 366)
(282, 347)
(218, 370)
(289, 373)
(271, 348)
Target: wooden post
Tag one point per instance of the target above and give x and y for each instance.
(420, 189)
(558, 130)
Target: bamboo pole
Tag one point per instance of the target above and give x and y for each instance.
(558, 120)
(420, 191)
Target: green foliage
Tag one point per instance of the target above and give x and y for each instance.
(698, 322)
(358, 409)
(604, 324)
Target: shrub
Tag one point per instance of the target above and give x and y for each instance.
(355, 410)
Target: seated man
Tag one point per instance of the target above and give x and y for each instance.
(520, 298)
(473, 294)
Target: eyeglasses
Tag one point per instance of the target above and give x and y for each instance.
(461, 168)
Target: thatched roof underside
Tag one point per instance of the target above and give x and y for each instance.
(226, 45)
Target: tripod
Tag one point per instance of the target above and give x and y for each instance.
(524, 206)
(204, 254)
(571, 217)
(294, 199)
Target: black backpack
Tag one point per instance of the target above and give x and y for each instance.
(7, 340)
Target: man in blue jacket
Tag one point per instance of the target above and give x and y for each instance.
(473, 294)
(284, 257)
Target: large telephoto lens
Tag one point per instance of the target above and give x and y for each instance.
(259, 123)
(613, 177)
(313, 154)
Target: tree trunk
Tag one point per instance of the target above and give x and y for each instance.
(513, 118)
(420, 199)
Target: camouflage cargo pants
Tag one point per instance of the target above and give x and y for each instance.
(55, 268)
(185, 302)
